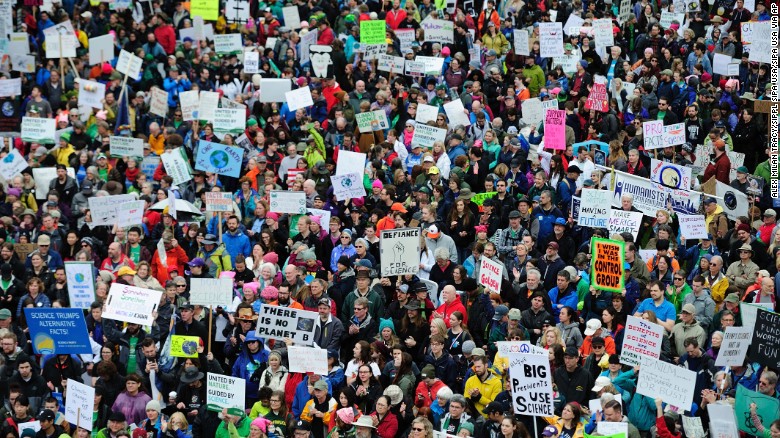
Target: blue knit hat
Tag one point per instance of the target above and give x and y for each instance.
(386, 323)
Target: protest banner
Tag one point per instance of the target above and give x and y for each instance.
(279, 323)
(158, 104)
(598, 99)
(531, 384)
(735, 203)
(207, 9)
(390, 63)
(734, 346)
(351, 162)
(555, 129)
(649, 197)
(426, 136)
(520, 41)
(208, 102)
(692, 226)
(594, 208)
(129, 64)
(533, 112)
(292, 18)
(126, 146)
(505, 348)
(215, 292)
(653, 134)
(441, 31)
(490, 274)
(130, 213)
(347, 186)
(12, 164)
(602, 31)
(550, 39)
(308, 359)
(38, 130)
(131, 304)
(184, 346)
(641, 338)
(426, 113)
(670, 175)
(767, 408)
(229, 121)
(227, 43)
(299, 98)
(399, 250)
(81, 284)
(177, 165)
(456, 113)
(762, 43)
(607, 261)
(669, 382)
(749, 311)
(219, 201)
(287, 202)
(57, 331)
(10, 87)
(45, 175)
(218, 158)
(80, 405)
(103, 208)
(274, 90)
(765, 346)
(621, 221)
(225, 392)
(372, 31)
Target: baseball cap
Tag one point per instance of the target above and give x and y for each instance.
(500, 312)
(601, 382)
(550, 431)
(592, 326)
(689, 309)
(428, 372)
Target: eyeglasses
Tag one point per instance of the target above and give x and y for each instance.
(418, 429)
(345, 237)
(184, 285)
(275, 401)
(678, 279)
(358, 308)
(598, 347)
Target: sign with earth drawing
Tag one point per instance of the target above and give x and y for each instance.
(219, 159)
(348, 186)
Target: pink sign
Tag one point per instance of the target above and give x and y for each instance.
(597, 99)
(555, 129)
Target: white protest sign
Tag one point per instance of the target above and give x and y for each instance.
(219, 201)
(720, 63)
(649, 197)
(81, 284)
(229, 121)
(406, 37)
(10, 87)
(390, 63)
(490, 274)
(426, 136)
(734, 346)
(594, 208)
(642, 338)
(131, 304)
(761, 44)
(43, 176)
(251, 62)
(291, 17)
(426, 113)
(550, 39)
(38, 130)
(104, 208)
(19, 43)
(285, 322)
(23, 63)
(531, 384)
(12, 164)
(608, 428)
(505, 348)
(692, 226)
(130, 213)
(34, 425)
(692, 426)
(323, 214)
(158, 104)
(217, 292)
(666, 381)
(209, 101)
(129, 64)
(653, 132)
(60, 45)
(126, 146)
(456, 113)
(670, 175)
(668, 17)
(176, 166)
(80, 404)
(351, 162)
(274, 90)
(674, 134)
(723, 422)
(227, 43)
(308, 40)
(101, 49)
(91, 93)
(621, 221)
(190, 101)
(533, 112)
(574, 21)
(521, 42)
(225, 392)
(748, 313)
(308, 360)
(602, 30)
(400, 251)
(299, 98)
(287, 202)
(442, 31)
(347, 186)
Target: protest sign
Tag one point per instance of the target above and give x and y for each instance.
(749, 311)
(43, 176)
(612, 428)
(505, 348)
(237, 11)
(734, 346)
(308, 359)
(722, 421)
(126, 146)
(594, 208)
(666, 381)
(668, 17)
(575, 207)
(621, 221)
(207, 9)
(574, 21)
(479, 198)
(607, 261)
(649, 197)
(414, 68)
(129, 64)
(23, 63)
(441, 31)
(103, 208)
(598, 98)
(721, 62)
(58, 331)
(406, 37)
(670, 175)
(602, 31)
(533, 112)
(219, 201)
(285, 322)
(80, 405)
(91, 93)
(641, 338)
(288, 202)
(184, 346)
(10, 87)
(227, 43)
(251, 62)
(372, 31)
(177, 166)
(61, 45)
(426, 113)
(81, 284)
(215, 292)
(521, 42)
(307, 40)
(274, 90)
(292, 18)
(456, 113)
(190, 101)
(692, 226)
(692, 426)
(653, 134)
(131, 304)
(38, 130)
(130, 213)
(735, 203)
(761, 44)
(531, 384)
(433, 65)
(765, 346)
(229, 121)
(368, 121)
(209, 101)
(158, 104)
(347, 186)
(490, 274)
(12, 164)
(767, 408)
(351, 162)
(426, 136)
(555, 129)
(225, 392)
(550, 39)
(400, 250)
(299, 98)
(34, 425)
(19, 42)
(674, 134)
(390, 63)
(218, 158)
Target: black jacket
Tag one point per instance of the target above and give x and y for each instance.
(574, 387)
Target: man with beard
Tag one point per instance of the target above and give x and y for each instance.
(235, 241)
(130, 344)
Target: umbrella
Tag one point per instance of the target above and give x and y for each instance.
(185, 211)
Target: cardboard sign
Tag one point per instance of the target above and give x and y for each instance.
(308, 360)
(126, 147)
(58, 331)
(598, 99)
(129, 64)
(347, 186)
(426, 113)
(490, 274)
(373, 31)
(426, 136)
(441, 31)
(12, 164)
(131, 304)
(184, 346)
(189, 101)
(209, 101)
(674, 134)
(11, 87)
(400, 251)
(38, 130)
(390, 63)
(228, 43)
(101, 49)
(621, 221)
(80, 405)
(555, 129)
(292, 18)
(607, 261)
(81, 284)
(692, 226)
(667, 381)
(456, 113)
(531, 384)
(287, 202)
(229, 121)
(594, 208)
(285, 322)
(521, 42)
(670, 175)
(642, 338)
(215, 292)
(299, 98)
(104, 208)
(653, 134)
(130, 213)
(159, 102)
(225, 392)
(765, 347)
(218, 201)
(177, 166)
(736, 341)
(550, 39)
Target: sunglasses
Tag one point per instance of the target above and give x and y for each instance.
(418, 429)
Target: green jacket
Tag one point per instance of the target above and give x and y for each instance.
(376, 303)
(230, 430)
(677, 297)
(104, 433)
(218, 261)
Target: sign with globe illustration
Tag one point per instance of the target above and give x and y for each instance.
(184, 346)
(347, 186)
(219, 159)
(81, 284)
(58, 331)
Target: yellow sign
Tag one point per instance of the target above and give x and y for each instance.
(184, 346)
(208, 9)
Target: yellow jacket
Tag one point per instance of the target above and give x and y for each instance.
(488, 389)
(307, 416)
(498, 43)
(718, 289)
(157, 143)
(63, 154)
(557, 422)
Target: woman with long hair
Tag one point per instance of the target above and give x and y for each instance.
(552, 336)
(143, 277)
(414, 330)
(35, 294)
(663, 271)
(511, 428)
(457, 334)
(345, 399)
(460, 226)
(404, 373)
(132, 400)
(421, 428)
(569, 327)
(39, 270)
(278, 414)
(384, 419)
(570, 422)
(362, 356)
(367, 388)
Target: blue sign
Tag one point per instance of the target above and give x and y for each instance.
(218, 158)
(58, 331)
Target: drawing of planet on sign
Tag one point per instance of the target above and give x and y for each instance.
(189, 347)
(44, 344)
(219, 159)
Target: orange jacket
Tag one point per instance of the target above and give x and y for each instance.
(176, 257)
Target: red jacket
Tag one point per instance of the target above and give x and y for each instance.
(395, 18)
(425, 395)
(266, 30)
(447, 308)
(388, 427)
(176, 257)
(166, 37)
(326, 38)
(108, 265)
(663, 431)
(719, 168)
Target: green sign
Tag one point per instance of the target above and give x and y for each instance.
(480, 198)
(372, 31)
(766, 409)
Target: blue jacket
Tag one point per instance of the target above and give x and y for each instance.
(302, 396)
(456, 151)
(53, 261)
(641, 412)
(246, 365)
(692, 255)
(546, 221)
(566, 189)
(236, 244)
(174, 87)
(339, 251)
(569, 299)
